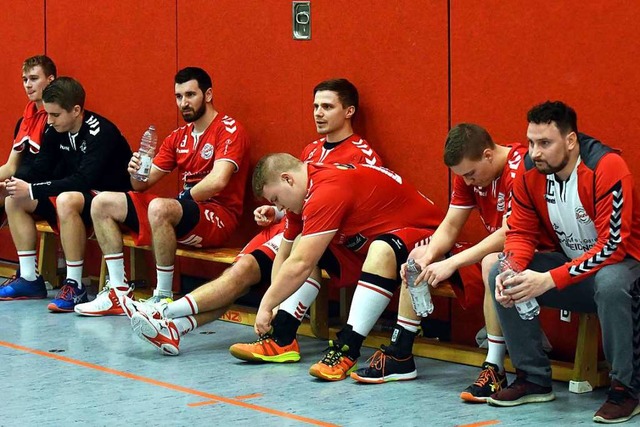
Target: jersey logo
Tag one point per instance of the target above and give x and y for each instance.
(582, 216)
(94, 125)
(550, 196)
(367, 151)
(83, 146)
(355, 242)
(207, 151)
(501, 203)
(229, 124)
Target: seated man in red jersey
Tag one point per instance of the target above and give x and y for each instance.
(580, 194)
(37, 72)
(483, 172)
(82, 153)
(335, 104)
(211, 153)
(359, 208)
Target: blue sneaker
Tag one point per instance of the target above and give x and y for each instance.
(69, 296)
(21, 288)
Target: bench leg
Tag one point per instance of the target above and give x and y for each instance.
(320, 313)
(48, 258)
(103, 274)
(585, 367)
(139, 269)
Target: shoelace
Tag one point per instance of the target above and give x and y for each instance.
(262, 338)
(378, 360)
(65, 293)
(9, 281)
(334, 354)
(616, 397)
(487, 375)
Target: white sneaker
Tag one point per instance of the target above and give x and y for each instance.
(158, 331)
(106, 303)
(151, 306)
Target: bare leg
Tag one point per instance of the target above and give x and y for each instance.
(108, 209)
(22, 224)
(73, 233)
(164, 215)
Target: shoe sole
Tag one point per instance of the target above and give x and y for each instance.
(314, 372)
(55, 309)
(20, 298)
(147, 332)
(532, 398)
(100, 314)
(288, 357)
(389, 378)
(468, 397)
(599, 419)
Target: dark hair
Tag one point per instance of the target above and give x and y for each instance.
(466, 140)
(556, 112)
(194, 73)
(347, 92)
(66, 92)
(48, 67)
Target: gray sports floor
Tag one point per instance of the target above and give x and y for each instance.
(63, 369)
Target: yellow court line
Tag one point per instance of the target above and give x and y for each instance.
(169, 386)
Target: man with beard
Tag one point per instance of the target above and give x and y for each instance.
(579, 193)
(211, 153)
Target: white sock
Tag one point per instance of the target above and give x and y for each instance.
(28, 265)
(369, 301)
(74, 271)
(185, 306)
(298, 303)
(164, 274)
(185, 324)
(408, 324)
(115, 267)
(497, 350)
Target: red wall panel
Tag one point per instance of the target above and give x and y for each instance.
(124, 54)
(22, 36)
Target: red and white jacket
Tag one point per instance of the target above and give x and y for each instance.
(607, 202)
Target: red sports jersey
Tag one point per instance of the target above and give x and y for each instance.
(360, 203)
(194, 156)
(31, 129)
(494, 200)
(353, 150)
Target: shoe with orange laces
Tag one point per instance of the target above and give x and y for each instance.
(336, 364)
(266, 349)
(384, 367)
(489, 381)
(158, 331)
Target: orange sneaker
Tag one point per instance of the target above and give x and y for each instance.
(336, 365)
(266, 349)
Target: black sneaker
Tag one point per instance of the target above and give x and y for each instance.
(521, 391)
(384, 367)
(489, 381)
(620, 406)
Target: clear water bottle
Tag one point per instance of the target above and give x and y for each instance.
(147, 151)
(420, 295)
(527, 309)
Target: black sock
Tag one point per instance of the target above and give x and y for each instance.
(352, 339)
(285, 327)
(401, 342)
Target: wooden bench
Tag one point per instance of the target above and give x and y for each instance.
(585, 369)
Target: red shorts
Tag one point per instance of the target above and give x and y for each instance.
(343, 265)
(267, 241)
(214, 228)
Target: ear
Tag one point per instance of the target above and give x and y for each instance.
(76, 110)
(287, 177)
(572, 140)
(487, 154)
(208, 95)
(350, 112)
(50, 78)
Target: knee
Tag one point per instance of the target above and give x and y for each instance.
(487, 264)
(69, 204)
(244, 273)
(492, 274)
(609, 289)
(103, 205)
(162, 211)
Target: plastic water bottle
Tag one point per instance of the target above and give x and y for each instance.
(147, 151)
(420, 295)
(508, 269)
